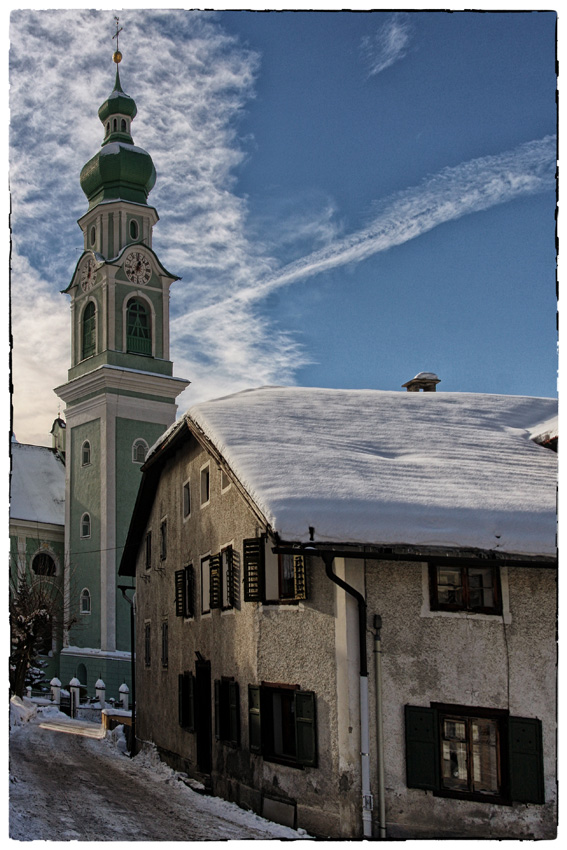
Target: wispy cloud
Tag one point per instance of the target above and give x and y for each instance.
(192, 81)
(389, 43)
(454, 192)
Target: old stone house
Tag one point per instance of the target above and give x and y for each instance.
(346, 609)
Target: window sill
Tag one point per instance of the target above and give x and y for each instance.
(473, 797)
(283, 761)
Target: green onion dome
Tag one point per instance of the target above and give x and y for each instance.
(119, 170)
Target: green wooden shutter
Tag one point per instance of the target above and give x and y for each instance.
(422, 748)
(525, 760)
(180, 702)
(254, 719)
(253, 569)
(217, 709)
(234, 713)
(300, 584)
(215, 584)
(180, 593)
(305, 728)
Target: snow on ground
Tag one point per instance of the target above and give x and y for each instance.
(68, 782)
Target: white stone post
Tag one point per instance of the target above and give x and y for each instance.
(75, 691)
(28, 691)
(56, 690)
(100, 690)
(124, 693)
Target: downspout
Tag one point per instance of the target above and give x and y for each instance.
(379, 727)
(132, 603)
(328, 558)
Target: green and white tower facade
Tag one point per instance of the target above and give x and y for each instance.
(120, 393)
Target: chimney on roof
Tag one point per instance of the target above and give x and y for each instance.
(426, 381)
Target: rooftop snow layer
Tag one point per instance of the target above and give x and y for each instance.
(37, 488)
(368, 466)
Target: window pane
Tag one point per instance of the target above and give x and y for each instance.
(485, 755)
(284, 723)
(481, 593)
(449, 586)
(287, 585)
(186, 500)
(454, 770)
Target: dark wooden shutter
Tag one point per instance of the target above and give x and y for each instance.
(305, 728)
(253, 569)
(215, 586)
(300, 584)
(189, 591)
(234, 713)
(525, 760)
(187, 701)
(229, 577)
(217, 686)
(180, 586)
(254, 719)
(180, 701)
(422, 748)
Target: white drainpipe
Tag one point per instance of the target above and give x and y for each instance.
(379, 728)
(365, 759)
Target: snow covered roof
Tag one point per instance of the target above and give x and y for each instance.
(37, 487)
(387, 468)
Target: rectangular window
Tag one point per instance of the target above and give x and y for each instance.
(205, 485)
(205, 585)
(271, 577)
(185, 592)
(163, 540)
(147, 644)
(474, 753)
(224, 481)
(282, 724)
(149, 550)
(164, 644)
(474, 589)
(227, 711)
(186, 500)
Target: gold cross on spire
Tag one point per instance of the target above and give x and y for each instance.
(117, 56)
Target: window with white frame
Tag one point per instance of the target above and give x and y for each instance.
(86, 454)
(205, 484)
(186, 497)
(86, 525)
(139, 451)
(225, 481)
(85, 601)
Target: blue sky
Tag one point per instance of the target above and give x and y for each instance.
(349, 198)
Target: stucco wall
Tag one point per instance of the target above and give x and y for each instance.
(470, 660)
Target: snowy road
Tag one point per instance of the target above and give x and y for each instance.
(69, 783)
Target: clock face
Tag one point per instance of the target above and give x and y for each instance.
(88, 274)
(137, 267)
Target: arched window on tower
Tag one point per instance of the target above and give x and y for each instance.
(43, 564)
(86, 525)
(85, 601)
(86, 453)
(138, 328)
(123, 125)
(139, 451)
(115, 125)
(89, 331)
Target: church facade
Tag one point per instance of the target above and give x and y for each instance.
(120, 393)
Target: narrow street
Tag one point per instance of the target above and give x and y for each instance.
(69, 783)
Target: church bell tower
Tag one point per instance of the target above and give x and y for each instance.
(120, 393)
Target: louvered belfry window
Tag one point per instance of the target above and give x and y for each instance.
(89, 331)
(138, 329)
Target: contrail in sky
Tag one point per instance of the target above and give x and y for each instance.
(452, 193)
